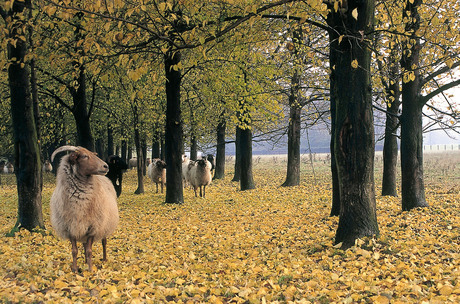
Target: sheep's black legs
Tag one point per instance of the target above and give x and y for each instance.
(89, 252)
(104, 252)
(204, 191)
(74, 254)
(201, 193)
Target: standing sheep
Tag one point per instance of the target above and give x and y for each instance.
(200, 176)
(8, 168)
(157, 172)
(188, 171)
(47, 166)
(83, 206)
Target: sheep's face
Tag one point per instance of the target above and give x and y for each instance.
(201, 163)
(87, 163)
(160, 164)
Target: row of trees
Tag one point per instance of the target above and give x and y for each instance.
(147, 70)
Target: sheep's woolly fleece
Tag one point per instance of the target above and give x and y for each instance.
(268, 245)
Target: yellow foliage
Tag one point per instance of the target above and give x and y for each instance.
(268, 245)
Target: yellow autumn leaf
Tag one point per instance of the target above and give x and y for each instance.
(446, 290)
(354, 64)
(380, 300)
(340, 38)
(111, 288)
(60, 284)
(354, 13)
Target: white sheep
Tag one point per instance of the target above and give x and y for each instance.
(83, 206)
(8, 168)
(200, 176)
(157, 172)
(188, 170)
(47, 166)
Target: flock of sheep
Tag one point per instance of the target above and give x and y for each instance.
(83, 206)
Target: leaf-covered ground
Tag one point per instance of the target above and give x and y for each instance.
(266, 245)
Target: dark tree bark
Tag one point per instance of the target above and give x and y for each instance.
(390, 145)
(34, 91)
(237, 173)
(335, 209)
(193, 147)
(245, 146)
(99, 147)
(27, 151)
(110, 146)
(124, 151)
(81, 114)
(412, 183)
(354, 129)
(155, 149)
(156, 142)
(173, 136)
(144, 155)
(140, 161)
(293, 161)
(220, 153)
(163, 149)
(295, 108)
(130, 151)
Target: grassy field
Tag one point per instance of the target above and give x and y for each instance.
(268, 245)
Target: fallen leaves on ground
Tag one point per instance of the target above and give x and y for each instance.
(268, 245)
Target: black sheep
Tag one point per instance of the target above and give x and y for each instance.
(116, 168)
(210, 158)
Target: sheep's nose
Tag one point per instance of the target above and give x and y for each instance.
(106, 166)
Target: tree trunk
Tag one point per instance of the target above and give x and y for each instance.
(27, 151)
(110, 146)
(354, 129)
(99, 147)
(293, 161)
(245, 146)
(193, 147)
(163, 149)
(124, 151)
(412, 183)
(173, 136)
(335, 209)
(237, 173)
(156, 142)
(295, 108)
(390, 145)
(80, 113)
(140, 161)
(130, 151)
(220, 153)
(144, 155)
(390, 155)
